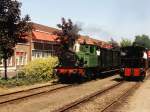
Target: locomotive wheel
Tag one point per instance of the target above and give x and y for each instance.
(90, 75)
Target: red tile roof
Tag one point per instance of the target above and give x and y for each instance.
(37, 35)
(92, 41)
(43, 28)
(44, 33)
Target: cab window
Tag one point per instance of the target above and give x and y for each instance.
(84, 48)
(91, 49)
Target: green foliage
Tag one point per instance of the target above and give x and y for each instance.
(41, 67)
(38, 70)
(142, 40)
(68, 34)
(12, 82)
(125, 42)
(12, 28)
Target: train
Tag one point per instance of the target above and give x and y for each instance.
(134, 62)
(148, 55)
(87, 61)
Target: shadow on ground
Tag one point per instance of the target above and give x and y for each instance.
(81, 80)
(118, 79)
(133, 79)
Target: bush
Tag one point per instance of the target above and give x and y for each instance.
(41, 67)
(38, 70)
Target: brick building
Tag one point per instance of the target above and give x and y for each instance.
(41, 43)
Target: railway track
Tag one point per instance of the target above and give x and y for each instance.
(11, 97)
(123, 96)
(14, 96)
(18, 95)
(99, 93)
(87, 98)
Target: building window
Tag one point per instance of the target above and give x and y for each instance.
(1, 62)
(44, 49)
(9, 62)
(38, 45)
(21, 58)
(41, 54)
(91, 49)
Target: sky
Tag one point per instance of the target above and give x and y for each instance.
(100, 19)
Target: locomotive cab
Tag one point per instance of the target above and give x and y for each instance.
(87, 54)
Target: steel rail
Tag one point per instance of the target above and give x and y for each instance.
(134, 87)
(24, 90)
(29, 93)
(97, 93)
(87, 98)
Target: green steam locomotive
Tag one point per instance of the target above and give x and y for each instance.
(88, 61)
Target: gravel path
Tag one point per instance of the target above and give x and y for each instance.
(49, 102)
(99, 103)
(137, 102)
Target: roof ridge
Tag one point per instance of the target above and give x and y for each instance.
(43, 32)
(43, 28)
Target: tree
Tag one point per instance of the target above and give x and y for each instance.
(113, 43)
(125, 42)
(67, 35)
(142, 40)
(13, 28)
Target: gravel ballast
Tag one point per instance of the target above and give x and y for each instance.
(100, 102)
(49, 102)
(139, 101)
